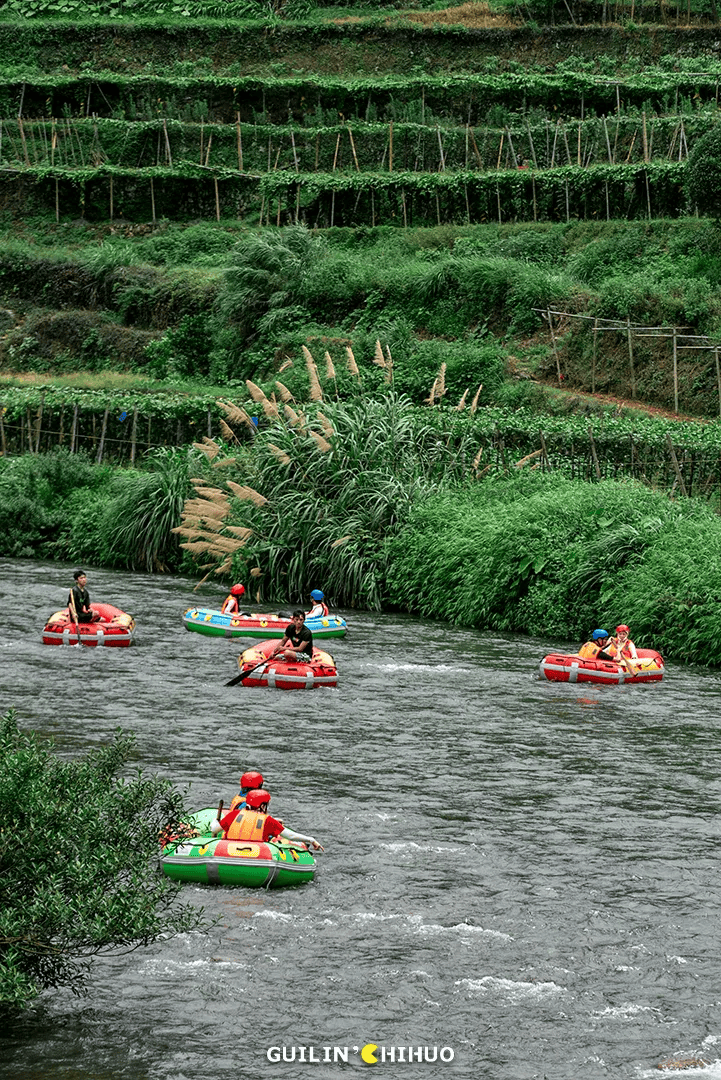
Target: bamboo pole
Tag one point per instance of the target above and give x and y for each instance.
(630, 358)
(152, 198)
(674, 462)
(352, 146)
(39, 424)
(593, 360)
(103, 430)
(675, 370)
(134, 436)
(390, 147)
(549, 317)
(167, 143)
(594, 455)
(217, 199)
(74, 433)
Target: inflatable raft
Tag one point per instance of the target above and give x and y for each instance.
(287, 674)
(235, 862)
(114, 627)
(560, 667)
(215, 624)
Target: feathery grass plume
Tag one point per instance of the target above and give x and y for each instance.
(432, 395)
(316, 394)
(284, 392)
(291, 415)
(239, 530)
(342, 540)
(204, 508)
(256, 572)
(224, 463)
(227, 431)
(257, 596)
(196, 547)
(329, 369)
(224, 567)
(389, 366)
(474, 403)
(477, 459)
(234, 412)
(208, 447)
(192, 526)
(524, 460)
(325, 424)
(242, 492)
(213, 494)
(462, 403)
(323, 445)
(350, 361)
(378, 358)
(442, 381)
(285, 366)
(269, 407)
(281, 455)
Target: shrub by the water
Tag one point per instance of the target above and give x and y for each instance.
(77, 872)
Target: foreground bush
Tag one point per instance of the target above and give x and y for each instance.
(79, 874)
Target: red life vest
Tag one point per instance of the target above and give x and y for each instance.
(248, 825)
(230, 605)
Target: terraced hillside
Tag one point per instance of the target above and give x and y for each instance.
(125, 124)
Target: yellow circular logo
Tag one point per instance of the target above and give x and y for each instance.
(368, 1053)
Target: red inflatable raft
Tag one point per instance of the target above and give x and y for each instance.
(114, 627)
(559, 667)
(287, 674)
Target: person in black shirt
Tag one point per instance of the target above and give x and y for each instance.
(298, 641)
(79, 599)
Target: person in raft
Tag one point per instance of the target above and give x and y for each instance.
(253, 822)
(249, 781)
(297, 643)
(79, 600)
(595, 649)
(319, 608)
(624, 648)
(231, 604)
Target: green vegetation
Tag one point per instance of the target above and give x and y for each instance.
(61, 506)
(78, 862)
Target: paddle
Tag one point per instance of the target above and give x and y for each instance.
(73, 612)
(245, 674)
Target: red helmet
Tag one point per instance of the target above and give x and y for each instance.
(622, 627)
(237, 590)
(251, 780)
(255, 799)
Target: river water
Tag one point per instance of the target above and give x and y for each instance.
(520, 875)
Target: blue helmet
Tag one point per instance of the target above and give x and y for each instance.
(599, 634)
(316, 595)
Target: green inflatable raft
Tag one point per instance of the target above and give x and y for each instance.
(207, 861)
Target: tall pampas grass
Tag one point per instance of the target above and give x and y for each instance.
(284, 392)
(329, 368)
(325, 424)
(322, 444)
(279, 454)
(350, 362)
(474, 403)
(269, 407)
(241, 491)
(316, 394)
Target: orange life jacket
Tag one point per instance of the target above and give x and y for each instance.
(625, 651)
(248, 825)
(236, 801)
(230, 605)
(589, 650)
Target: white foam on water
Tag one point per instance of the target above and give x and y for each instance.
(174, 967)
(511, 990)
(626, 1011)
(677, 959)
(420, 667)
(279, 915)
(432, 929)
(412, 845)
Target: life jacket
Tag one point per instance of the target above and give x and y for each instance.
(589, 650)
(248, 825)
(318, 614)
(236, 801)
(230, 605)
(625, 651)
